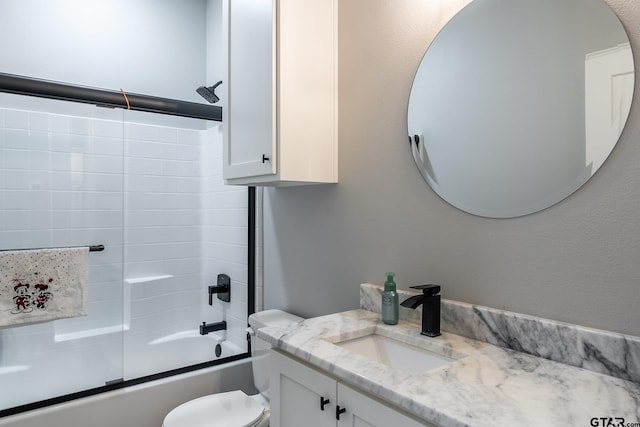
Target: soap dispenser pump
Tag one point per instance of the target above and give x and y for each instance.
(390, 309)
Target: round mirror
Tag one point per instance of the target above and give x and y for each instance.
(516, 104)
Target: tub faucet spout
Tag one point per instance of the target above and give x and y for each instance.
(205, 328)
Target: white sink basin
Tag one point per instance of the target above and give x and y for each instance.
(394, 353)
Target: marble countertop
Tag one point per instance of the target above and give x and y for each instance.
(485, 386)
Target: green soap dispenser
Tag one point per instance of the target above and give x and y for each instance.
(390, 309)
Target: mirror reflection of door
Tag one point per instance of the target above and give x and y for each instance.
(608, 92)
(497, 113)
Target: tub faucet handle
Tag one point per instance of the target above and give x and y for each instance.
(222, 288)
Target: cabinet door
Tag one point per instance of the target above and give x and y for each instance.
(249, 133)
(363, 411)
(296, 395)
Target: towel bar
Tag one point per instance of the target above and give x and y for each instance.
(92, 248)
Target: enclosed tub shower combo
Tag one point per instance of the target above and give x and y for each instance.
(137, 201)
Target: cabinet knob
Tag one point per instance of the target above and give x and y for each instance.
(323, 402)
(339, 411)
(264, 158)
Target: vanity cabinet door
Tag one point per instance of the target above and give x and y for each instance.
(296, 395)
(364, 411)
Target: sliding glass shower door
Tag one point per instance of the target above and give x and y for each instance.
(61, 184)
(149, 188)
(182, 227)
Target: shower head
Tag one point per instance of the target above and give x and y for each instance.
(209, 93)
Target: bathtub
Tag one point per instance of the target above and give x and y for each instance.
(92, 360)
(170, 351)
(143, 405)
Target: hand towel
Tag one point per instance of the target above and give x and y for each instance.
(43, 284)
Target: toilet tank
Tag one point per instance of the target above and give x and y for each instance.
(260, 348)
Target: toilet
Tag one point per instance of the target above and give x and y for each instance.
(235, 408)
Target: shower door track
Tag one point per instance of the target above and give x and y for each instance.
(21, 85)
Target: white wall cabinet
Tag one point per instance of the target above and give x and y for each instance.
(302, 396)
(280, 92)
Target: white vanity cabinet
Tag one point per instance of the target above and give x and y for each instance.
(296, 392)
(303, 396)
(280, 92)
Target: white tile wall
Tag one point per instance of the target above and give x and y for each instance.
(154, 196)
(224, 239)
(175, 202)
(259, 280)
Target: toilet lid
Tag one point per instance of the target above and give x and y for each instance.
(232, 409)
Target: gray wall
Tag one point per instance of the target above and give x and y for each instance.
(154, 47)
(577, 261)
(215, 51)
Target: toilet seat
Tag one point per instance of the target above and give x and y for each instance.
(232, 409)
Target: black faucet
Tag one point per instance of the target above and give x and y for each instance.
(430, 301)
(205, 328)
(222, 288)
